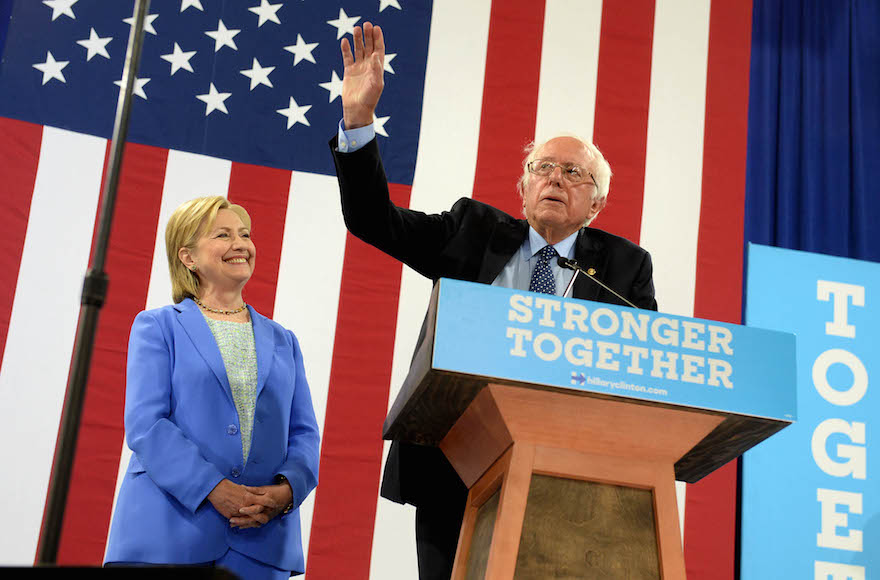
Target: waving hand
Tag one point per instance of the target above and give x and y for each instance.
(362, 80)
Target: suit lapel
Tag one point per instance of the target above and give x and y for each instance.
(200, 335)
(265, 347)
(587, 252)
(507, 237)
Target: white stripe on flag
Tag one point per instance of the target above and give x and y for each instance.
(681, 498)
(674, 165)
(307, 294)
(42, 328)
(187, 176)
(445, 170)
(569, 68)
(674, 160)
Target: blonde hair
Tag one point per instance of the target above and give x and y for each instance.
(185, 226)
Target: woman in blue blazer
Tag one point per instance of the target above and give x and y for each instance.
(218, 415)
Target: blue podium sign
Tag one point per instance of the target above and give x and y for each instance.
(811, 502)
(613, 350)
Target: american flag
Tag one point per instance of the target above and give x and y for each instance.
(239, 98)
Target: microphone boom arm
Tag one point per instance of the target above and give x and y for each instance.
(570, 288)
(573, 265)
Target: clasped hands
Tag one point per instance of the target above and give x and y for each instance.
(249, 507)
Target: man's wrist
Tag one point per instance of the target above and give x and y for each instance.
(357, 119)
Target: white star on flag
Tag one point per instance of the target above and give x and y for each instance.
(60, 7)
(148, 22)
(344, 24)
(51, 69)
(383, 4)
(258, 75)
(223, 37)
(138, 87)
(334, 85)
(388, 59)
(184, 4)
(179, 59)
(95, 45)
(301, 50)
(295, 114)
(214, 100)
(266, 12)
(379, 125)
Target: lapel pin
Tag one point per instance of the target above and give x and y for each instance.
(591, 271)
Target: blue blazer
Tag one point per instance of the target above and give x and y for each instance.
(182, 427)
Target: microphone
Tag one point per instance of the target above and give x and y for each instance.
(573, 265)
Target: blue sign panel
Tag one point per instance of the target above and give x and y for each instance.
(810, 502)
(615, 350)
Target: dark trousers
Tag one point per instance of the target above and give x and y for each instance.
(437, 529)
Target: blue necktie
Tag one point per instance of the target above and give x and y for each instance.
(542, 275)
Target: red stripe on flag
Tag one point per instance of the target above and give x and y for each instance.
(360, 376)
(129, 260)
(263, 192)
(510, 100)
(710, 513)
(718, 291)
(19, 156)
(623, 90)
(710, 525)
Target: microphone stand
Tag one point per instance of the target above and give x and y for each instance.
(93, 295)
(570, 288)
(573, 265)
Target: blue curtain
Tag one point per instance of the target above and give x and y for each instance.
(813, 170)
(5, 15)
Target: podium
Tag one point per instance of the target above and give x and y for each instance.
(569, 421)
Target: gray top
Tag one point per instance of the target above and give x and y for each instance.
(236, 342)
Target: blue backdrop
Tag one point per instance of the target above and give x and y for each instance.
(5, 14)
(810, 492)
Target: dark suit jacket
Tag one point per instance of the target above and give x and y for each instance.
(472, 241)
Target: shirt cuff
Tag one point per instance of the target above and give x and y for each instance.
(353, 139)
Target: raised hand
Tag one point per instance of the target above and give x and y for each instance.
(362, 80)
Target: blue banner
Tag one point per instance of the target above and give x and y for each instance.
(809, 506)
(614, 350)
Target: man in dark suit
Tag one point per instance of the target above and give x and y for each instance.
(564, 186)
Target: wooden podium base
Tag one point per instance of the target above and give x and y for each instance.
(591, 495)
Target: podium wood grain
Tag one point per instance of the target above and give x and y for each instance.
(594, 453)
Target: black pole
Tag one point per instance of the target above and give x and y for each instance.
(93, 295)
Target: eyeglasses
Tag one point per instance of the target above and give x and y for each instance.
(574, 174)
